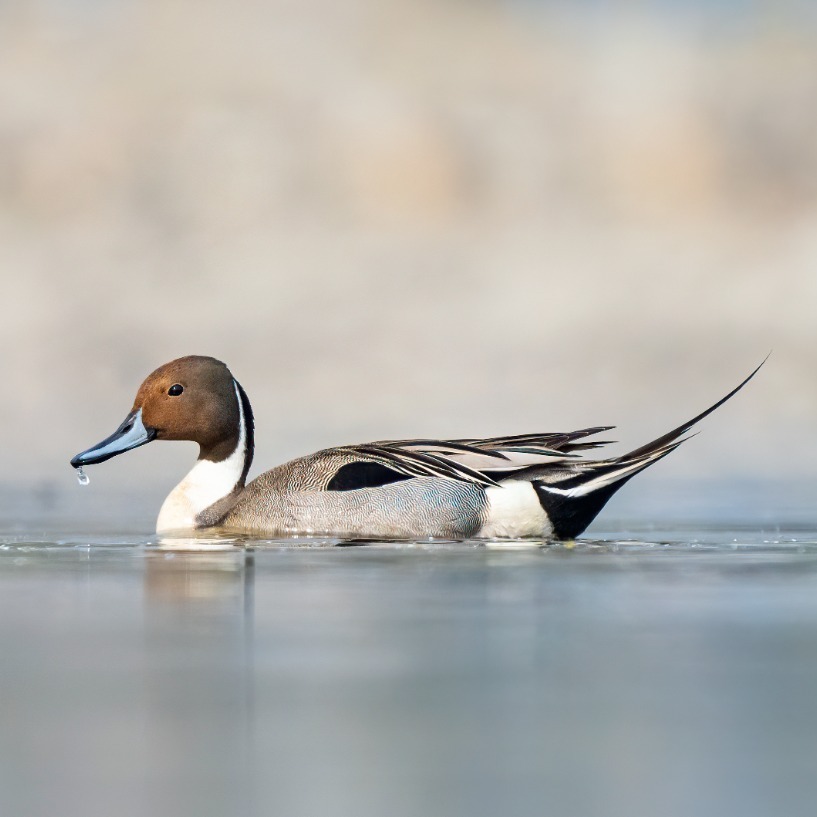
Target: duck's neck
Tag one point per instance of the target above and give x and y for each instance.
(213, 484)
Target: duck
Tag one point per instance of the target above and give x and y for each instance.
(522, 486)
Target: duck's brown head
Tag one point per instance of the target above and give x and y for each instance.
(193, 398)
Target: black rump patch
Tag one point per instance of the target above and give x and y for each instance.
(356, 475)
(570, 515)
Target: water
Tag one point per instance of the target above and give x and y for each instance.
(665, 665)
(82, 477)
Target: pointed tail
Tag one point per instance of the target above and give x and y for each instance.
(572, 503)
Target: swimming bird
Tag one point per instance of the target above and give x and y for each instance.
(520, 486)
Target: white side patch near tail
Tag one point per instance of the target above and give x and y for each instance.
(514, 512)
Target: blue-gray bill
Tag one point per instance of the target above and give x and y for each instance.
(131, 434)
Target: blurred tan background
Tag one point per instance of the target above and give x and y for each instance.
(410, 217)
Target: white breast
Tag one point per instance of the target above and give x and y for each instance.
(514, 512)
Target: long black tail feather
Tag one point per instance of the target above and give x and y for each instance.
(677, 432)
(574, 501)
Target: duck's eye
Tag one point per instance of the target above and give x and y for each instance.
(175, 390)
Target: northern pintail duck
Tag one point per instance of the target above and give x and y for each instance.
(526, 485)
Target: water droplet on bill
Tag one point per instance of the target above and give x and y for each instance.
(82, 477)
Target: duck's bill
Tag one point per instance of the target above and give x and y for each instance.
(131, 434)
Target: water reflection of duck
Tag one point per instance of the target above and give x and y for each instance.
(192, 576)
(529, 485)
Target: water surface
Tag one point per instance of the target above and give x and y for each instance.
(664, 665)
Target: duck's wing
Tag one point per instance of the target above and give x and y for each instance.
(480, 461)
(525, 450)
(406, 460)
